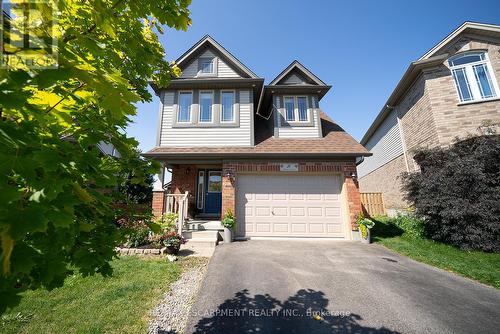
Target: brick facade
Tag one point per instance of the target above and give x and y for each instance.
(431, 115)
(346, 168)
(184, 179)
(389, 177)
(158, 203)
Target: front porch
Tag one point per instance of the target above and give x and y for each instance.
(195, 194)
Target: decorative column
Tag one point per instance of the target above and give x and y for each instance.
(228, 188)
(159, 194)
(352, 191)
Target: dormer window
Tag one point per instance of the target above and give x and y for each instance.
(474, 78)
(296, 109)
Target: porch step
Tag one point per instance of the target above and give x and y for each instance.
(204, 225)
(206, 238)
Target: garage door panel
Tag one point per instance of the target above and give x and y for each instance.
(316, 228)
(313, 197)
(332, 212)
(299, 228)
(297, 197)
(262, 211)
(297, 211)
(263, 227)
(312, 212)
(289, 205)
(279, 211)
(280, 228)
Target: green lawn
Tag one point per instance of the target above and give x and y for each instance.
(117, 304)
(480, 266)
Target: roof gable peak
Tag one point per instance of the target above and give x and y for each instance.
(297, 66)
(208, 41)
(466, 26)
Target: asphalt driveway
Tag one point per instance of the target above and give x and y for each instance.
(323, 287)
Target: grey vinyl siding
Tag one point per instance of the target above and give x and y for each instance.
(223, 70)
(209, 136)
(286, 131)
(385, 144)
(293, 79)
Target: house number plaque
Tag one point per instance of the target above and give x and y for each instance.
(289, 167)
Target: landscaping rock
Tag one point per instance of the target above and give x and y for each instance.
(170, 316)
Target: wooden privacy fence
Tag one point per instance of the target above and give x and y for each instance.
(373, 204)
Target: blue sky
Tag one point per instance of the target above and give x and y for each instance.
(361, 48)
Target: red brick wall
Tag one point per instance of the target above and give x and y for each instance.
(158, 203)
(347, 168)
(184, 179)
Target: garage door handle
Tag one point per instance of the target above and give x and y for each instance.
(272, 212)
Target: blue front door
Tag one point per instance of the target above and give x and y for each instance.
(213, 194)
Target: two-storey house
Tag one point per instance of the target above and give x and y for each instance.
(448, 93)
(266, 152)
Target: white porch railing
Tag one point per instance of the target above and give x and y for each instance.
(178, 204)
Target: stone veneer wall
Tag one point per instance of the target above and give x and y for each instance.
(387, 180)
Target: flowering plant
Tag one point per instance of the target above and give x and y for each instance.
(173, 239)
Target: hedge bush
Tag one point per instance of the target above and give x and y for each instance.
(457, 192)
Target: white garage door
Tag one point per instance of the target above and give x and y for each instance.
(289, 205)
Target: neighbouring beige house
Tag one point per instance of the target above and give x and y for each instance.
(448, 93)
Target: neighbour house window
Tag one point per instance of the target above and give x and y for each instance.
(296, 108)
(473, 76)
(227, 112)
(185, 99)
(289, 109)
(206, 99)
(207, 66)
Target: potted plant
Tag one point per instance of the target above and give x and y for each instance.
(173, 241)
(228, 222)
(365, 225)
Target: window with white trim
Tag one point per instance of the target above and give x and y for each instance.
(185, 100)
(207, 66)
(227, 107)
(473, 76)
(206, 100)
(296, 108)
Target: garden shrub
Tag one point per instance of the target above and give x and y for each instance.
(412, 226)
(457, 192)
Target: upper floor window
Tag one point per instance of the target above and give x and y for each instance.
(296, 108)
(185, 99)
(206, 100)
(302, 108)
(289, 109)
(227, 110)
(473, 76)
(207, 66)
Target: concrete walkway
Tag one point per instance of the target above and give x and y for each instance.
(328, 286)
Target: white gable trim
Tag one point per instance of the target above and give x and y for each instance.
(458, 31)
(184, 58)
(293, 65)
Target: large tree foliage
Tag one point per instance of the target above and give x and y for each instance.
(56, 188)
(457, 192)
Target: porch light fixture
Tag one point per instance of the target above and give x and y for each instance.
(230, 175)
(188, 170)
